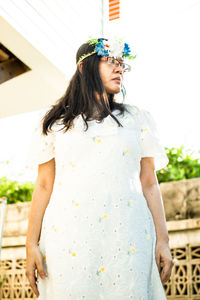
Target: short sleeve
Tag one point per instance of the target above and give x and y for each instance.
(150, 141)
(41, 148)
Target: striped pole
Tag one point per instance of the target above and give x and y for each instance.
(114, 9)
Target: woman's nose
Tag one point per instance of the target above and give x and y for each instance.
(118, 69)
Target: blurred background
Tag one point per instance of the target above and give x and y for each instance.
(38, 44)
(39, 40)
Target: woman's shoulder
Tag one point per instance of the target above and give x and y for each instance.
(134, 109)
(139, 114)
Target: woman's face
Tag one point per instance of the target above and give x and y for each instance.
(111, 76)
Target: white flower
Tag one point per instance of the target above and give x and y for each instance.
(116, 48)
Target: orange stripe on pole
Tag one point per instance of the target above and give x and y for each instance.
(114, 14)
(113, 5)
(114, 9)
(114, 18)
(113, 1)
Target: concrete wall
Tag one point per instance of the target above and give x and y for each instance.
(174, 194)
(184, 243)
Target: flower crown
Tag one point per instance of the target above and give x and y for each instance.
(103, 47)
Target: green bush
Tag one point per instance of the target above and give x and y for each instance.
(180, 166)
(3, 279)
(15, 191)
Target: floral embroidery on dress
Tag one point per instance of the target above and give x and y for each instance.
(102, 269)
(103, 218)
(126, 151)
(130, 202)
(97, 232)
(132, 250)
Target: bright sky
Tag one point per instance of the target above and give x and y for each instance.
(164, 80)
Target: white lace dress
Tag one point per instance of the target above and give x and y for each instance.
(98, 235)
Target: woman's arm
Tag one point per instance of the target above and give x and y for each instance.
(152, 194)
(40, 199)
(151, 191)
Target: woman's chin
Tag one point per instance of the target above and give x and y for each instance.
(114, 90)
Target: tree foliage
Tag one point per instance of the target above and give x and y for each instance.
(181, 166)
(15, 191)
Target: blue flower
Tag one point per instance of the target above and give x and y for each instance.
(100, 50)
(127, 49)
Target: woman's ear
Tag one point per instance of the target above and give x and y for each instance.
(80, 65)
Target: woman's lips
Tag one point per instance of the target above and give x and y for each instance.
(117, 80)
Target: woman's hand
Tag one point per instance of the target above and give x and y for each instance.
(34, 261)
(164, 260)
(40, 198)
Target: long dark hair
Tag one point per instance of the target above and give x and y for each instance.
(84, 91)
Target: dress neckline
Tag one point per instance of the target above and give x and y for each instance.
(98, 121)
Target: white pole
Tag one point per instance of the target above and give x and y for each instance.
(102, 18)
(3, 204)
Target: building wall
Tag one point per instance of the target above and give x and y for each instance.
(42, 85)
(55, 28)
(184, 237)
(45, 35)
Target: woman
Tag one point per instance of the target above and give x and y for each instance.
(97, 228)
